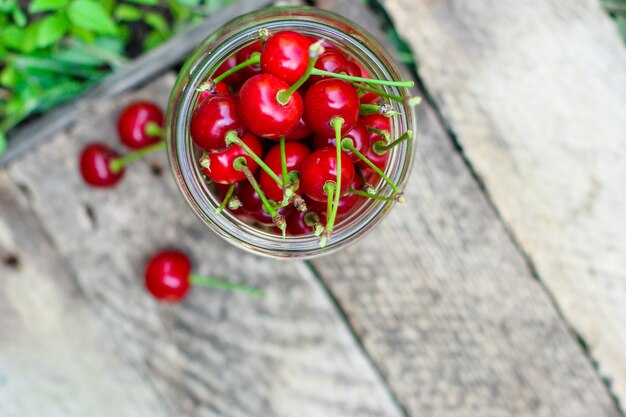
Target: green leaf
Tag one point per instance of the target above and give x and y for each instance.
(90, 15)
(152, 40)
(78, 56)
(158, 22)
(19, 17)
(146, 2)
(46, 5)
(8, 76)
(126, 13)
(189, 3)
(51, 29)
(12, 37)
(3, 142)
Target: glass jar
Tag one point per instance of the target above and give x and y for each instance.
(354, 42)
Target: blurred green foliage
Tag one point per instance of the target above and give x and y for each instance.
(617, 10)
(52, 50)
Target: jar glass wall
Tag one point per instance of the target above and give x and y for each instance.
(184, 156)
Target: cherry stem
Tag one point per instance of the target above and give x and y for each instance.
(153, 129)
(231, 137)
(229, 193)
(254, 59)
(406, 84)
(234, 203)
(283, 163)
(117, 164)
(312, 219)
(315, 50)
(240, 164)
(336, 123)
(378, 92)
(384, 109)
(205, 160)
(369, 195)
(348, 145)
(380, 132)
(226, 285)
(381, 147)
(263, 35)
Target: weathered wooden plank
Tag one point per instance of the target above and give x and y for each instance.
(446, 306)
(217, 354)
(536, 94)
(55, 354)
(135, 73)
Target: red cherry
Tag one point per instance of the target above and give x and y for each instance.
(295, 153)
(369, 174)
(244, 54)
(346, 202)
(301, 131)
(167, 275)
(352, 68)
(380, 160)
(95, 161)
(360, 137)
(296, 222)
(262, 113)
(220, 88)
(132, 121)
(233, 80)
(253, 206)
(321, 167)
(212, 119)
(286, 56)
(221, 169)
(331, 61)
(379, 122)
(328, 99)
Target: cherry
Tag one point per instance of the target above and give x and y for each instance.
(140, 124)
(328, 99)
(359, 135)
(95, 166)
(304, 222)
(253, 205)
(233, 80)
(353, 69)
(212, 119)
(218, 166)
(220, 88)
(295, 154)
(379, 126)
(168, 277)
(301, 131)
(319, 168)
(244, 54)
(332, 61)
(286, 56)
(262, 113)
(346, 202)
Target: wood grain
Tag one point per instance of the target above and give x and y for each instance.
(219, 353)
(445, 304)
(535, 93)
(55, 352)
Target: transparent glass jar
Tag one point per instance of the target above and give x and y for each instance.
(354, 42)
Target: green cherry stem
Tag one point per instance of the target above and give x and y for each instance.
(336, 123)
(254, 59)
(348, 145)
(381, 147)
(380, 132)
(118, 164)
(283, 162)
(226, 285)
(279, 220)
(368, 195)
(153, 129)
(377, 91)
(406, 84)
(329, 189)
(224, 202)
(231, 137)
(264, 33)
(384, 109)
(315, 51)
(312, 219)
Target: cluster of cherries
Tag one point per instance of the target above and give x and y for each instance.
(168, 274)
(294, 134)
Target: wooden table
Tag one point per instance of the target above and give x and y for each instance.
(499, 290)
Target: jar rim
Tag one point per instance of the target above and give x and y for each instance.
(183, 155)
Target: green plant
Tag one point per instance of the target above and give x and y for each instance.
(617, 10)
(53, 50)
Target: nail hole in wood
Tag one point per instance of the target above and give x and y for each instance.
(156, 168)
(91, 215)
(11, 260)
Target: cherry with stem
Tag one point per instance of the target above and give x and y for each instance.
(348, 145)
(240, 164)
(384, 109)
(314, 52)
(381, 147)
(226, 199)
